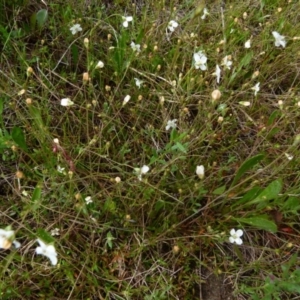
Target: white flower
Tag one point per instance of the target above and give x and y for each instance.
(47, 250)
(245, 103)
(172, 25)
(75, 28)
(7, 238)
(99, 65)
(205, 13)
(141, 171)
(256, 88)
(279, 39)
(135, 47)
(200, 171)
(248, 44)
(226, 62)
(66, 102)
(289, 156)
(217, 73)
(55, 231)
(126, 20)
(235, 236)
(171, 124)
(60, 169)
(138, 82)
(126, 99)
(88, 200)
(200, 61)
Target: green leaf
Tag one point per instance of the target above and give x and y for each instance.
(250, 195)
(19, 138)
(269, 193)
(260, 222)
(41, 17)
(220, 190)
(36, 195)
(246, 166)
(272, 118)
(291, 204)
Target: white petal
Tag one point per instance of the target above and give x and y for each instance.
(53, 259)
(16, 244)
(232, 232)
(239, 241)
(125, 24)
(145, 169)
(231, 239)
(239, 233)
(248, 44)
(129, 19)
(39, 250)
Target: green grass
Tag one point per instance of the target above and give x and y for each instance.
(152, 238)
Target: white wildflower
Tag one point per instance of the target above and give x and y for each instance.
(279, 39)
(200, 171)
(256, 88)
(55, 231)
(135, 47)
(75, 28)
(47, 250)
(141, 171)
(126, 99)
(171, 124)
(235, 236)
(205, 13)
(88, 200)
(99, 65)
(245, 103)
(126, 21)
(227, 62)
(66, 102)
(248, 44)
(172, 25)
(217, 73)
(138, 82)
(7, 238)
(200, 60)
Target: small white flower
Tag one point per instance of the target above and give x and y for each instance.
(56, 141)
(245, 103)
(55, 231)
(141, 171)
(200, 61)
(256, 88)
(88, 200)
(217, 73)
(61, 170)
(66, 102)
(138, 82)
(75, 28)
(7, 238)
(226, 62)
(135, 47)
(171, 124)
(126, 99)
(47, 250)
(200, 171)
(289, 156)
(172, 25)
(248, 44)
(99, 65)
(235, 236)
(205, 13)
(126, 21)
(279, 39)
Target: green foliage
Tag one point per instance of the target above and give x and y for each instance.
(148, 235)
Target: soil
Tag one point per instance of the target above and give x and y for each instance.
(216, 287)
